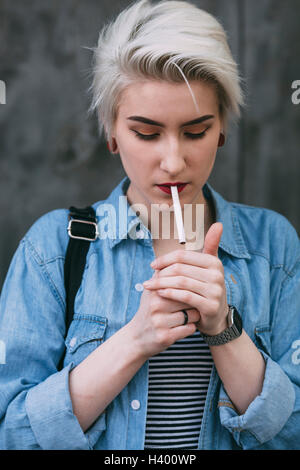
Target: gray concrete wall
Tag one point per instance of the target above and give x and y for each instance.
(50, 152)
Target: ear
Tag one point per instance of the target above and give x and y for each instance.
(221, 139)
(111, 143)
(114, 145)
(222, 135)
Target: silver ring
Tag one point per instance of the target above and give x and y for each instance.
(186, 317)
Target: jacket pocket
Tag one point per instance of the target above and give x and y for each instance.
(263, 338)
(85, 334)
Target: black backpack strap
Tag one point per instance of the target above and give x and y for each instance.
(82, 231)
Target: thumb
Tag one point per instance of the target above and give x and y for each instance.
(213, 238)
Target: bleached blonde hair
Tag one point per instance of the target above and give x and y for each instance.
(172, 41)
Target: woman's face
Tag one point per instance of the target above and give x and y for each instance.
(159, 144)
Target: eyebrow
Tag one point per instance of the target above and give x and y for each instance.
(156, 123)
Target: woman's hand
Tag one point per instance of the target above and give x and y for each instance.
(196, 279)
(159, 322)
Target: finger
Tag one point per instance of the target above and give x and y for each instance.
(180, 332)
(185, 296)
(212, 239)
(212, 283)
(177, 282)
(204, 305)
(172, 320)
(163, 304)
(194, 258)
(193, 272)
(179, 317)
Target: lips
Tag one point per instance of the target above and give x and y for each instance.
(166, 187)
(178, 183)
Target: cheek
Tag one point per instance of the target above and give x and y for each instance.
(127, 144)
(132, 148)
(212, 140)
(205, 152)
(135, 159)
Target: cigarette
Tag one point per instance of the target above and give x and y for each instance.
(178, 215)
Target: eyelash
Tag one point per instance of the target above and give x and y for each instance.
(152, 136)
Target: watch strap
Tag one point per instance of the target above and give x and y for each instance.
(232, 332)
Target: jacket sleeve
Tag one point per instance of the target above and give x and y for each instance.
(272, 420)
(35, 404)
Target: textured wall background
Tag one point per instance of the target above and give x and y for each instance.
(50, 152)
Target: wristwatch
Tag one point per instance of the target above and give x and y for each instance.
(234, 330)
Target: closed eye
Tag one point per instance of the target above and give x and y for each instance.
(196, 136)
(145, 136)
(189, 135)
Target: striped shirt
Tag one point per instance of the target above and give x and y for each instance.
(178, 382)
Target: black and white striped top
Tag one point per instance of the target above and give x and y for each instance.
(178, 382)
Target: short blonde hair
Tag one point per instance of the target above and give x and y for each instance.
(171, 41)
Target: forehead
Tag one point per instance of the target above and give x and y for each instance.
(160, 98)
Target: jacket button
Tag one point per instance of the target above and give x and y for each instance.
(139, 287)
(135, 405)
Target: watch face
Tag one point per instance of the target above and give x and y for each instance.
(237, 321)
(230, 317)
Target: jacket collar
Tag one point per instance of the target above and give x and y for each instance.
(121, 219)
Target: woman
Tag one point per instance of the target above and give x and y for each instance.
(202, 355)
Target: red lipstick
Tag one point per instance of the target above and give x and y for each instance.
(166, 187)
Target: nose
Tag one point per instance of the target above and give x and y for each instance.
(173, 160)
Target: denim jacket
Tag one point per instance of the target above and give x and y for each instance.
(260, 252)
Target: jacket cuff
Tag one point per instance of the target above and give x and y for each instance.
(50, 412)
(267, 413)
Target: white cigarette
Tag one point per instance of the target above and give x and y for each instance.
(178, 215)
